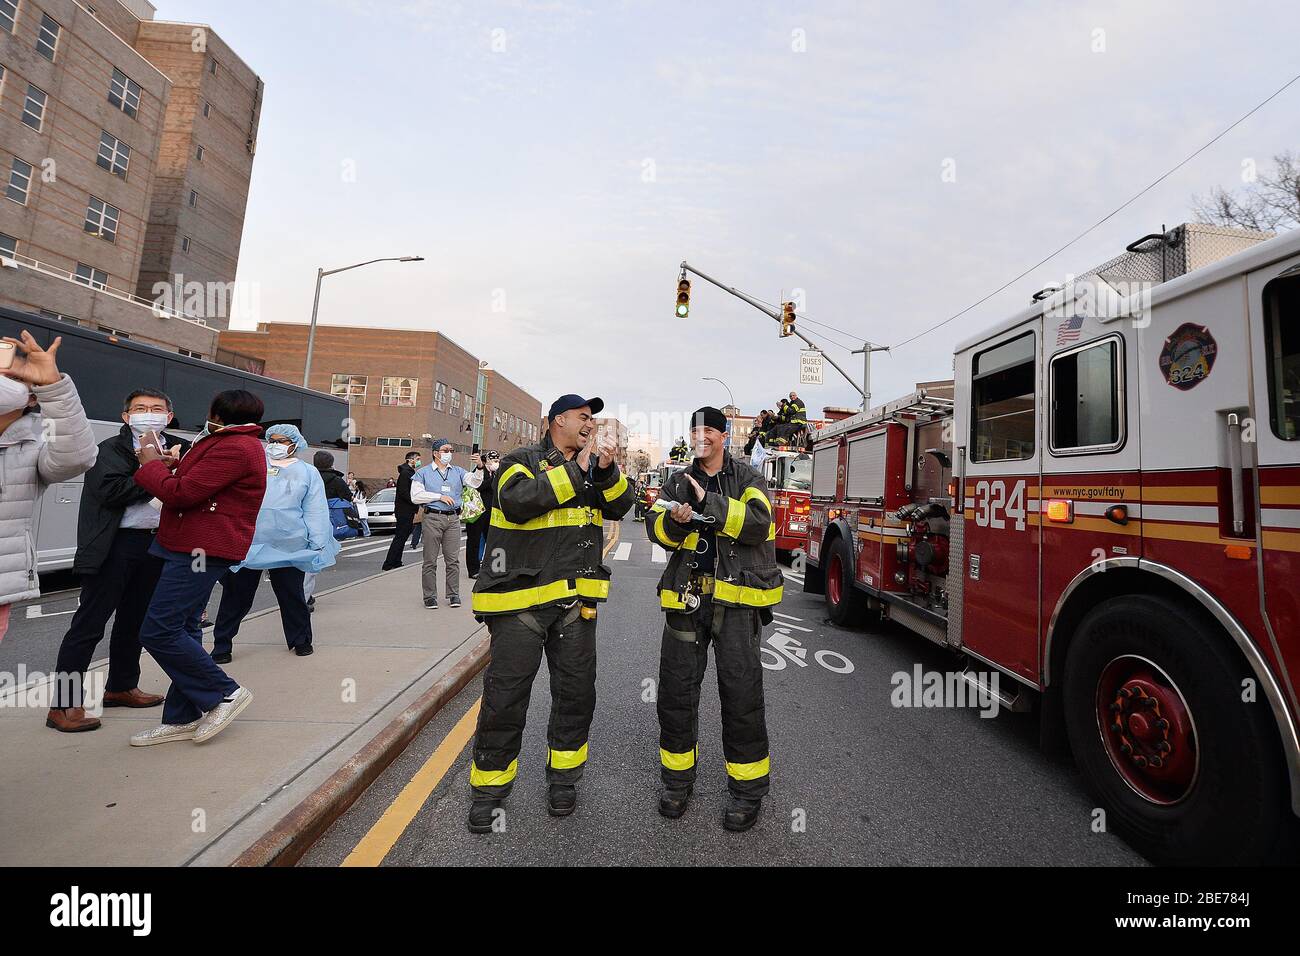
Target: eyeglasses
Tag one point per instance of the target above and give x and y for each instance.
(142, 409)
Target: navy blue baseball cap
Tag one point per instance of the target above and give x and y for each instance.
(567, 403)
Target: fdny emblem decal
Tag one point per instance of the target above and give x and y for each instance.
(1188, 356)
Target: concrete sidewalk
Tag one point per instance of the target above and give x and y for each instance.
(93, 800)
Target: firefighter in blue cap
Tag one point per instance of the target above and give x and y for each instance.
(538, 589)
(719, 588)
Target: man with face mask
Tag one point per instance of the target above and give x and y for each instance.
(39, 446)
(541, 582)
(438, 488)
(116, 525)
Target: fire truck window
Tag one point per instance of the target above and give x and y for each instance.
(1002, 400)
(1086, 398)
(1282, 348)
(798, 476)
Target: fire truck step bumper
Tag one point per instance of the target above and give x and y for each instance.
(1010, 694)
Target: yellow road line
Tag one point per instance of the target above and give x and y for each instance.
(388, 829)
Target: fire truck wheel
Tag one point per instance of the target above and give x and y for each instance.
(844, 603)
(1189, 773)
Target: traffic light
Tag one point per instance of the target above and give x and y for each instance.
(683, 298)
(787, 319)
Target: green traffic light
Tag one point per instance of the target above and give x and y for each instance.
(683, 311)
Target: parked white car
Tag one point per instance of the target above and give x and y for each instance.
(381, 505)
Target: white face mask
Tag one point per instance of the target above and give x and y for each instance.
(13, 395)
(445, 458)
(142, 422)
(275, 451)
(492, 465)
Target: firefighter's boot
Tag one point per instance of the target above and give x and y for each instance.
(741, 813)
(672, 801)
(561, 800)
(482, 814)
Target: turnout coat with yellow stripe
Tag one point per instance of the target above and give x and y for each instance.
(746, 573)
(546, 532)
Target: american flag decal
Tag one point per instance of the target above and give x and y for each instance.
(1069, 331)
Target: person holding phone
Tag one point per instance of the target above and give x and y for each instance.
(45, 438)
(116, 525)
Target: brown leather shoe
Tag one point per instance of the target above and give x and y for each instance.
(73, 720)
(134, 697)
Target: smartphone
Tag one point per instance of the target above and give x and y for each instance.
(151, 438)
(7, 353)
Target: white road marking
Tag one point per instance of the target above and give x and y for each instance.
(790, 616)
(34, 611)
(623, 551)
(659, 556)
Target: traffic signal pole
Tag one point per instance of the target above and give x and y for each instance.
(775, 315)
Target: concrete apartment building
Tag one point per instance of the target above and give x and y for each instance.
(406, 388)
(126, 149)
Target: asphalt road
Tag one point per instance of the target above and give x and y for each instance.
(37, 627)
(855, 780)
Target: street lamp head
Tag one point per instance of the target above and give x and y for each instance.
(411, 259)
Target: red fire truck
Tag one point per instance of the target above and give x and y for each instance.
(789, 475)
(1105, 513)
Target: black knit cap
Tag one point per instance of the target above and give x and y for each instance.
(710, 416)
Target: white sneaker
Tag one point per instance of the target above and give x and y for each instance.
(218, 718)
(165, 734)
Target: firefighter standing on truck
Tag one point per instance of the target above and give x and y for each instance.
(720, 586)
(537, 589)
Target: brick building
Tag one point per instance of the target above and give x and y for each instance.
(126, 148)
(406, 389)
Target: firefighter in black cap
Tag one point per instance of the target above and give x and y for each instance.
(538, 587)
(720, 586)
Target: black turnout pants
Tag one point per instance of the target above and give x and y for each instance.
(735, 635)
(518, 641)
(238, 591)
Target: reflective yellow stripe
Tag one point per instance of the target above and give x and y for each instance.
(492, 778)
(620, 486)
(555, 518)
(749, 494)
(670, 601)
(749, 771)
(747, 597)
(568, 759)
(771, 531)
(657, 526)
(692, 541)
(524, 598)
(735, 518)
(673, 761)
(559, 479)
(511, 472)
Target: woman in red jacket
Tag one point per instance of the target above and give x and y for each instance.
(210, 500)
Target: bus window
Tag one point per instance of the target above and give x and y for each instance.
(1002, 402)
(1282, 353)
(283, 406)
(105, 374)
(798, 474)
(324, 421)
(192, 388)
(11, 328)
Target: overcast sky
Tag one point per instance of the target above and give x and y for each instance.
(556, 161)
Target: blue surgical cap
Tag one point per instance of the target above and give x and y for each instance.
(289, 432)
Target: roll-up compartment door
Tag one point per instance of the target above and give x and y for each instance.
(825, 464)
(866, 478)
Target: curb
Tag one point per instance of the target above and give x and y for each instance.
(298, 830)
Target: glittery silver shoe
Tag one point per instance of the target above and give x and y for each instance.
(165, 734)
(218, 718)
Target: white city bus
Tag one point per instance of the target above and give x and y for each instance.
(107, 368)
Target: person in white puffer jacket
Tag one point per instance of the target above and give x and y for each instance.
(37, 449)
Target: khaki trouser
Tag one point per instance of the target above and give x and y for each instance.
(441, 535)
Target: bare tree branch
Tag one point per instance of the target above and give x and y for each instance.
(1269, 204)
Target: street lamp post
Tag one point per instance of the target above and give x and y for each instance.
(321, 274)
(731, 402)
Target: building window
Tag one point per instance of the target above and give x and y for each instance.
(46, 313)
(356, 440)
(1087, 399)
(47, 38)
(393, 442)
(1003, 401)
(496, 418)
(34, 108)
(8, 14)
(101, 219)
(212, 66)
(20, 181)
(194, 199)
(351, 387)
(89, 275)
(124, 93)
(114, 332)
(185, 243)
(198, 153)
(114, 155)
(398, 391)
(439, 397)
(196, 355)
(207, 109)
(455, 403)
(8, 246)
